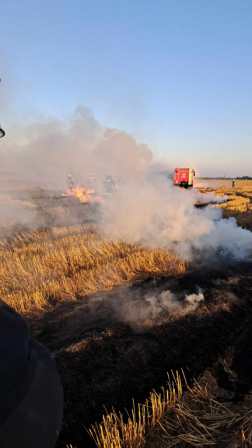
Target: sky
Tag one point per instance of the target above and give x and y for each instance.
(175, 74)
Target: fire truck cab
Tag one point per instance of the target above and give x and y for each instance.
(183, 177)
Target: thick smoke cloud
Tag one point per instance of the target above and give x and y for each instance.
(146, 208)
(52, 149)
(152, 211)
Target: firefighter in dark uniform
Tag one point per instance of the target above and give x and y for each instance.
(70, 182)
(109, 184)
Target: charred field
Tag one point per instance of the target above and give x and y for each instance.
(101, 308)
(105, 361)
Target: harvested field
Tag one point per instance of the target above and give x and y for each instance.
(62, 264)
(239, 204)
(117, 316)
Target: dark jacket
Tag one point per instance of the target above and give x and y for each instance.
(31, 396)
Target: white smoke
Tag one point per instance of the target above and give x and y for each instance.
(227, 282)
(208, 198)
(147, 208)
(159, 214)
(193, 300)
(51, 149)
(154, 305)
(229, 239)
(167, 301)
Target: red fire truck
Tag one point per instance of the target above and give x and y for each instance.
(184, 177)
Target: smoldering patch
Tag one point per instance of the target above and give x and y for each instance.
(193, 300)
(151, 306)
(227, 282)
(232, 298)
(229, 287)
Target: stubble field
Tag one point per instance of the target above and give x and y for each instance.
(100, 307)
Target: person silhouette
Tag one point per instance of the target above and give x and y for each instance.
(31, 395)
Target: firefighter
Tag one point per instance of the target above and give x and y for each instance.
(233, 183)
(70, 182)
(31, 395)
(109, 184)
(91, 182)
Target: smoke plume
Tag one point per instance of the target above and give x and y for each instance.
(151, 306)
(51, 149)
(155, 213)
(146, 208)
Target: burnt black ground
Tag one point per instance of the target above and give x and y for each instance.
(106, 361)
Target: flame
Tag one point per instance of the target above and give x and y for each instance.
(84, 195)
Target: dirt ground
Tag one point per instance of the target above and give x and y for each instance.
(105, 361)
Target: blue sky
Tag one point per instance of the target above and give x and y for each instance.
(176, 74)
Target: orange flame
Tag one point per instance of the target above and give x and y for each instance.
(84, 195)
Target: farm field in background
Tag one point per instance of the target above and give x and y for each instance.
(227, 183)
(239, 204)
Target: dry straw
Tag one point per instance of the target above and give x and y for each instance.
(59, 264)
(172, 419)
(113, 432)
